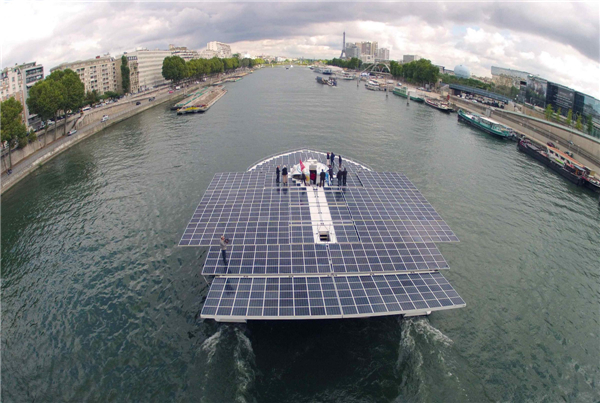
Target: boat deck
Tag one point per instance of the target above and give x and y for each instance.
(306, 252)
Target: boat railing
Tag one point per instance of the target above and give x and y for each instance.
(294, 150)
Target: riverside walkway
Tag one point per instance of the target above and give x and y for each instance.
(90, 123)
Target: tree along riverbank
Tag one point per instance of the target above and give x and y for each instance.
(35, 154)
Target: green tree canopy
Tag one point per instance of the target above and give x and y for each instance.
(548, 112)
(419, 71)
(590, 124)
(12, 128)
(174, 68)
(579, 125)
(569, 117)
(45, 100)
(125, 75)
(353, 63)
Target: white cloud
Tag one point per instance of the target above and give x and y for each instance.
(522, 36)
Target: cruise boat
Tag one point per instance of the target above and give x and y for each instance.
(317, 69)
(331, 81)
(327, 71)
(347, 76)
(301, 255)
(438, 104)
(401, 91)
(373, 86)
(486, 124)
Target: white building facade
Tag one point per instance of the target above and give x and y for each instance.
(383, 54)
(183, 52)
(149, 67)
(15, 82)
(99, 74)
(223, 50)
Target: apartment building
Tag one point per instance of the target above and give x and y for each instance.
(410, 58)
(99, 73)
(183, 52)
(223, 50)
(149, 68)
(383, 54)
(16, 81)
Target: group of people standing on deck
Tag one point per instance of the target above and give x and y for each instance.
(324, 177)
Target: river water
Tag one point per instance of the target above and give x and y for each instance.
(100, 304)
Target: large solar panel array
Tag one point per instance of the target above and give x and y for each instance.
(328, 297)
(383, 261)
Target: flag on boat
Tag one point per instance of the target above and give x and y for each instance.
(301, 166)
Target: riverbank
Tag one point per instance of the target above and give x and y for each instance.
(584, 148)
(90, 124)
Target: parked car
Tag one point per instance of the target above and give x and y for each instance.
(104, 118)
(151, 99)
(71, 132)
(50, 122)
(138, 103)
(87, 108)
(170, 92)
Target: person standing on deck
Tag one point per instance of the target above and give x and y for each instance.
(332, 158)
(322, 181)
(340, 160)
(344, 176)
(340, 173)
(277, 174)
(330, 176)
(284, 174)
(223, 244)
(328, 159)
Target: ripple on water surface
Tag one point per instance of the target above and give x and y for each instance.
(100, 304)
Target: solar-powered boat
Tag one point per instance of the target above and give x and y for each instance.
(301, 252)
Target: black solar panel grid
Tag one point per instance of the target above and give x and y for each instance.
(389, 257)
(345, 233)
(305, 297)
(239, 180)
(268, 259)
(404, 231)
(272, 297)
(239, 233)
(394, 180)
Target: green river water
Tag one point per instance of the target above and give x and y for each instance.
(100, 304)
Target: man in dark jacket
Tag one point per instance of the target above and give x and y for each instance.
(340, 174)
(332, 159)
(339, 160)
(223, 243)
(322, 175)
(277, 174)
(284, 175)
(330, 175)
(344, 176)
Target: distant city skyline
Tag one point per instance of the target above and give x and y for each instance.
(558, 41)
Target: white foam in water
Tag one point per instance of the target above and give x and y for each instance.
(210, 345)
(244, 364)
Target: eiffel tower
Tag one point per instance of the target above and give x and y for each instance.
(343, 55)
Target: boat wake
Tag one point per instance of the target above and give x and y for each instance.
(425, 365)
(229, 366)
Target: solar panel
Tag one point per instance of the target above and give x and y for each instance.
(325, 259)
(317, 297)
(301, 252)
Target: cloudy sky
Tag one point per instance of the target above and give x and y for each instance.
(559, 41)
